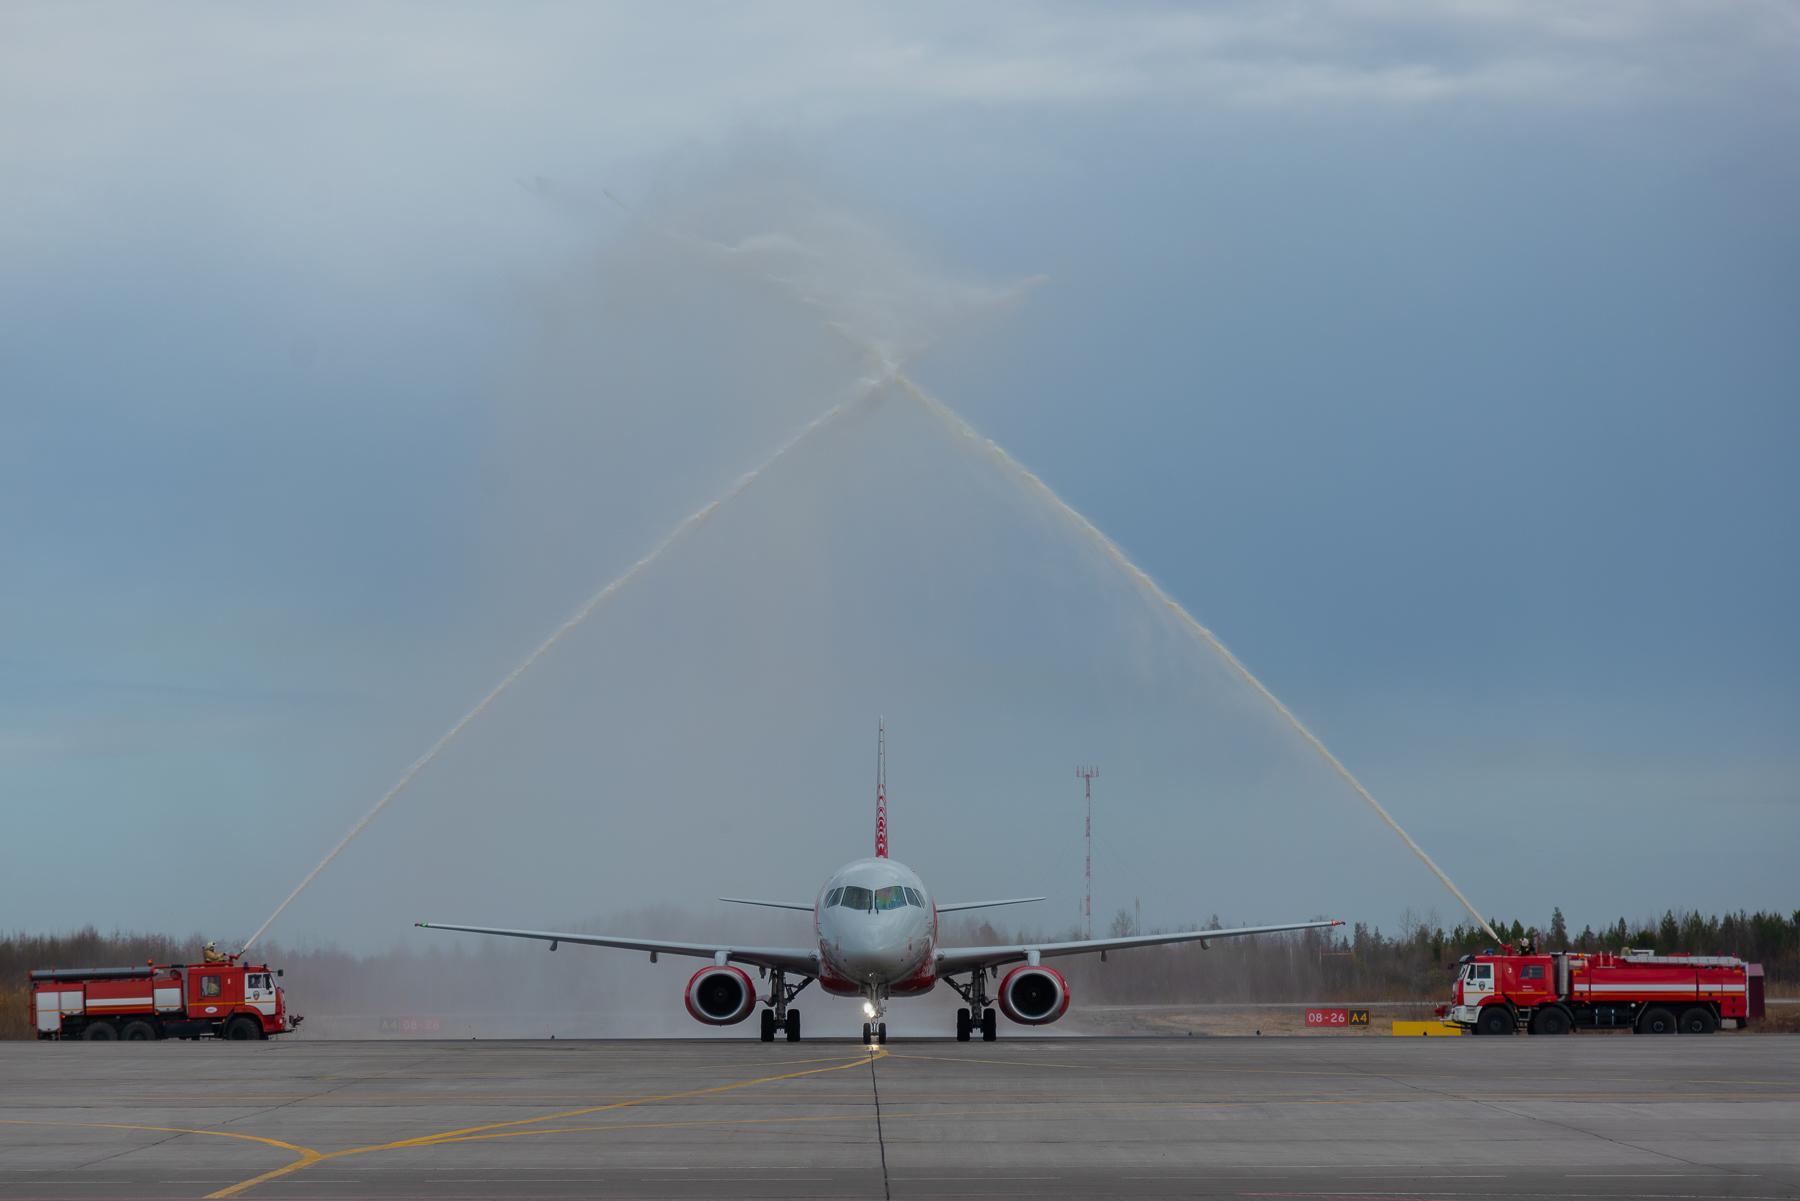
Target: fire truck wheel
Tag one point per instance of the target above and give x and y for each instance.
(1495, 1019)
(1552, 1019)
(768, 1025)
(138, 1032)
(100, 1032)
(793, 1025)
(1699, 1020)
(242, 1029)
(1656, 1020)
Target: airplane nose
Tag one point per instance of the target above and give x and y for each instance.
(863, 966)
(879, 946)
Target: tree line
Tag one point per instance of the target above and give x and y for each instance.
(1359, 962)
(1347, 964)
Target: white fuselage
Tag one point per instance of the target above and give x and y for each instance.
(877, 931)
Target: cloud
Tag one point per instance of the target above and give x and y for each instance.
(283, 126)
(289, 128)
(638, 75)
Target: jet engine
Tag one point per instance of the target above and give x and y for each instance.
(1034, 996)
(720, 996)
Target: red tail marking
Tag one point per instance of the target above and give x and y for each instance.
(881, 790)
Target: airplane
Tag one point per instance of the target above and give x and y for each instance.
(875, 929)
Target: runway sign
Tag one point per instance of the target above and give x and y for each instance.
(1329, 1019)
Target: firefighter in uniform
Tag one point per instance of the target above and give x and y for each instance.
(212, 954)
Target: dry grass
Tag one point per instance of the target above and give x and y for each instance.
(1290, 1020)
(1781, 1019)
(1216, 1020)
(15, 1012)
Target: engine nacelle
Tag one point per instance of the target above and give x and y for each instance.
(720, 996)
(1034, 996)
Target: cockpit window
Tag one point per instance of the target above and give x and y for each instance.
(880, 900)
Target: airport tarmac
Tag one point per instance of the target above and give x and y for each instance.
(1461, 1119)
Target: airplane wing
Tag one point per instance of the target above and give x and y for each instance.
(803, 960)
(964, 959)
(804, 908)
(954, 906)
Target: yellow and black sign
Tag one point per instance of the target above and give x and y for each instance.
(1359, 1017)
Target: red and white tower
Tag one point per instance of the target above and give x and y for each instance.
(1087, 774)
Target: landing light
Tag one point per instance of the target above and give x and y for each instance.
(869, 1008)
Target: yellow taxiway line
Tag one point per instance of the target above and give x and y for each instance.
(307, 1154)
(487, 1130)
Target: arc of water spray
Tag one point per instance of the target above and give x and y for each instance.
(888, 367)
(1152, 589)
(685, 527)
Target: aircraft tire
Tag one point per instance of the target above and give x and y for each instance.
(990, 1026)
(881, 1034)
(793, 1025)
(964, 1027)
(768, 1025)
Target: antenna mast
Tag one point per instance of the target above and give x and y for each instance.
(881, 788)
(1086, 775)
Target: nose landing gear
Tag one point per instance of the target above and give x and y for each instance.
(874, 1005)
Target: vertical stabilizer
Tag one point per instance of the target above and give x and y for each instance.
(881, 789)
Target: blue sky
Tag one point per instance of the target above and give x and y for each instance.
(1444, 364)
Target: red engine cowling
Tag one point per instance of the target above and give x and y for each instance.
(1034, 996)
(720, 996)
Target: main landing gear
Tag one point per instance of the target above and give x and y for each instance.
(980, 1014)
(778, 1015)
(967, 1023)
(875, 1032)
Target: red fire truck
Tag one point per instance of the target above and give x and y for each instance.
(225, 1000)
(1554, 993)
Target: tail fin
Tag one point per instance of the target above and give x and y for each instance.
(881, 789)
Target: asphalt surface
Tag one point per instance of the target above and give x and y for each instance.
(1464, 1119)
